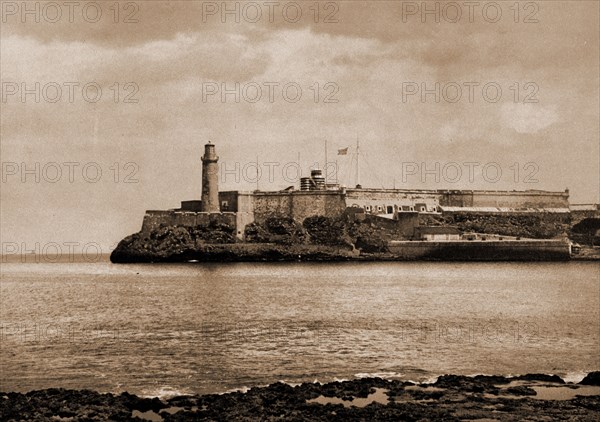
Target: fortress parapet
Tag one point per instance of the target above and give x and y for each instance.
(505, 199)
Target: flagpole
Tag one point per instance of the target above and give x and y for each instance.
(325, 167)
(257, 175)
(357, 163)
(343, 151)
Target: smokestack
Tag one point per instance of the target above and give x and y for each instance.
(210, 188)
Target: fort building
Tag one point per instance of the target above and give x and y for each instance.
(316, 197)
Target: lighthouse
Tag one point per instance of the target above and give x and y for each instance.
(210, 188)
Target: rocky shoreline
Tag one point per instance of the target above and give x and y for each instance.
(247, 252)
(533, 397)
(239, 252)
(328, 240)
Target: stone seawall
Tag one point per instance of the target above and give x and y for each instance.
(477, 250)
(153, 220)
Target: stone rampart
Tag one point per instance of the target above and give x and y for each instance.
(155, 219)
(298, 205)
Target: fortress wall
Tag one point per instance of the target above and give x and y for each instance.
(191, 205)
(397, 199)
(326, 204)
(521, 200)
(272, 205)
(213, 218)
(186, 219)
(154, 219)
(298, 205)
(508, 199)
(245, 202)
(231, 198)
(240, 203)
(242, 220)
(398, 229)
(457, 199)
(245, 212)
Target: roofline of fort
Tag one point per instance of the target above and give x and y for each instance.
(384, 190)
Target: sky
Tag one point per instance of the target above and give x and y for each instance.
(106, 106)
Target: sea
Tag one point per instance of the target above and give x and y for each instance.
(160, 330)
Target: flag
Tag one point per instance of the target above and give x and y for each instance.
(343, 151)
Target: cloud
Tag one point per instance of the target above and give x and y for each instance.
(368, 55)
(528, 118)
(211, 56)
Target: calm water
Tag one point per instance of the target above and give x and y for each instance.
(167, 329)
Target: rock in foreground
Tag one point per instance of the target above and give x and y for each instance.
(593, 378)
(451, 398)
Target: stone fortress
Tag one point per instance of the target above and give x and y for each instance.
(316, 197)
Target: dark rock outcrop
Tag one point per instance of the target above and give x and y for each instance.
(593, 378)
(239, 252)
(540, 377)
(521, 390)
(467, 384)
(451, 398)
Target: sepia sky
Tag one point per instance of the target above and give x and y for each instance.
(357, 65)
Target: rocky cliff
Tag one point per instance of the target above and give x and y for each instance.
(317, 238)
(276, 239)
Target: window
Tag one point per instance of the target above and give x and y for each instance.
(368, 208)
(379, 208)
(390, 209)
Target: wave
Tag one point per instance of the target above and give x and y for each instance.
(575, 377)
(165, 392)
(384, 375)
